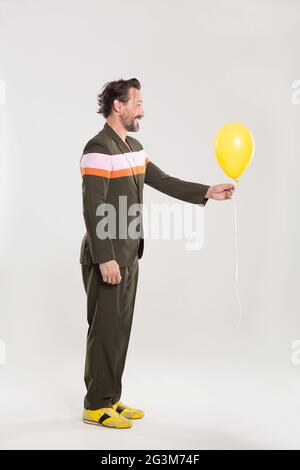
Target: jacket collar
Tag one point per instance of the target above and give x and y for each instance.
(123, 147)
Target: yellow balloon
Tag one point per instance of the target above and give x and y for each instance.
(234, 148)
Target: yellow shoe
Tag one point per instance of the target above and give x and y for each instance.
(124, 410)
(106, 417)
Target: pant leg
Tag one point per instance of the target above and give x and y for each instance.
(109, 315)
(130, 288)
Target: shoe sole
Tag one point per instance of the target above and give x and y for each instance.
(125, 426)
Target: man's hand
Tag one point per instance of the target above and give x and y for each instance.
(110, 272)
(220, 191)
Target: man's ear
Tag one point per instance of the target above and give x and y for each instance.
(116, 105)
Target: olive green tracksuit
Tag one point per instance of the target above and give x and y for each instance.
(110, 168)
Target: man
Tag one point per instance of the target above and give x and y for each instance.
(114, 168)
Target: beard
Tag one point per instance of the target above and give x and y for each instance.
(131, 125)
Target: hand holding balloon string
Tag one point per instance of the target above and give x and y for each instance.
(220, 192)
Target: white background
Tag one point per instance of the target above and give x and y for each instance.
(202, 382)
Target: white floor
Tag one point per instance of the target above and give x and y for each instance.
(185, 408)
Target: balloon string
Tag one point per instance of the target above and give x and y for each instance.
(236, 262)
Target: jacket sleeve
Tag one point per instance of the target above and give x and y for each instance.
(185, 190)
(95, 170)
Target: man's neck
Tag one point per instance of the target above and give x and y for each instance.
(118, 128)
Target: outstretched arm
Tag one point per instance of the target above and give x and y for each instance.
(185, 190)
(188, 191)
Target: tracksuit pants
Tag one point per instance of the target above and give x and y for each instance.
(109, 314)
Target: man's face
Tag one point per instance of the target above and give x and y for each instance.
(132, 111)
